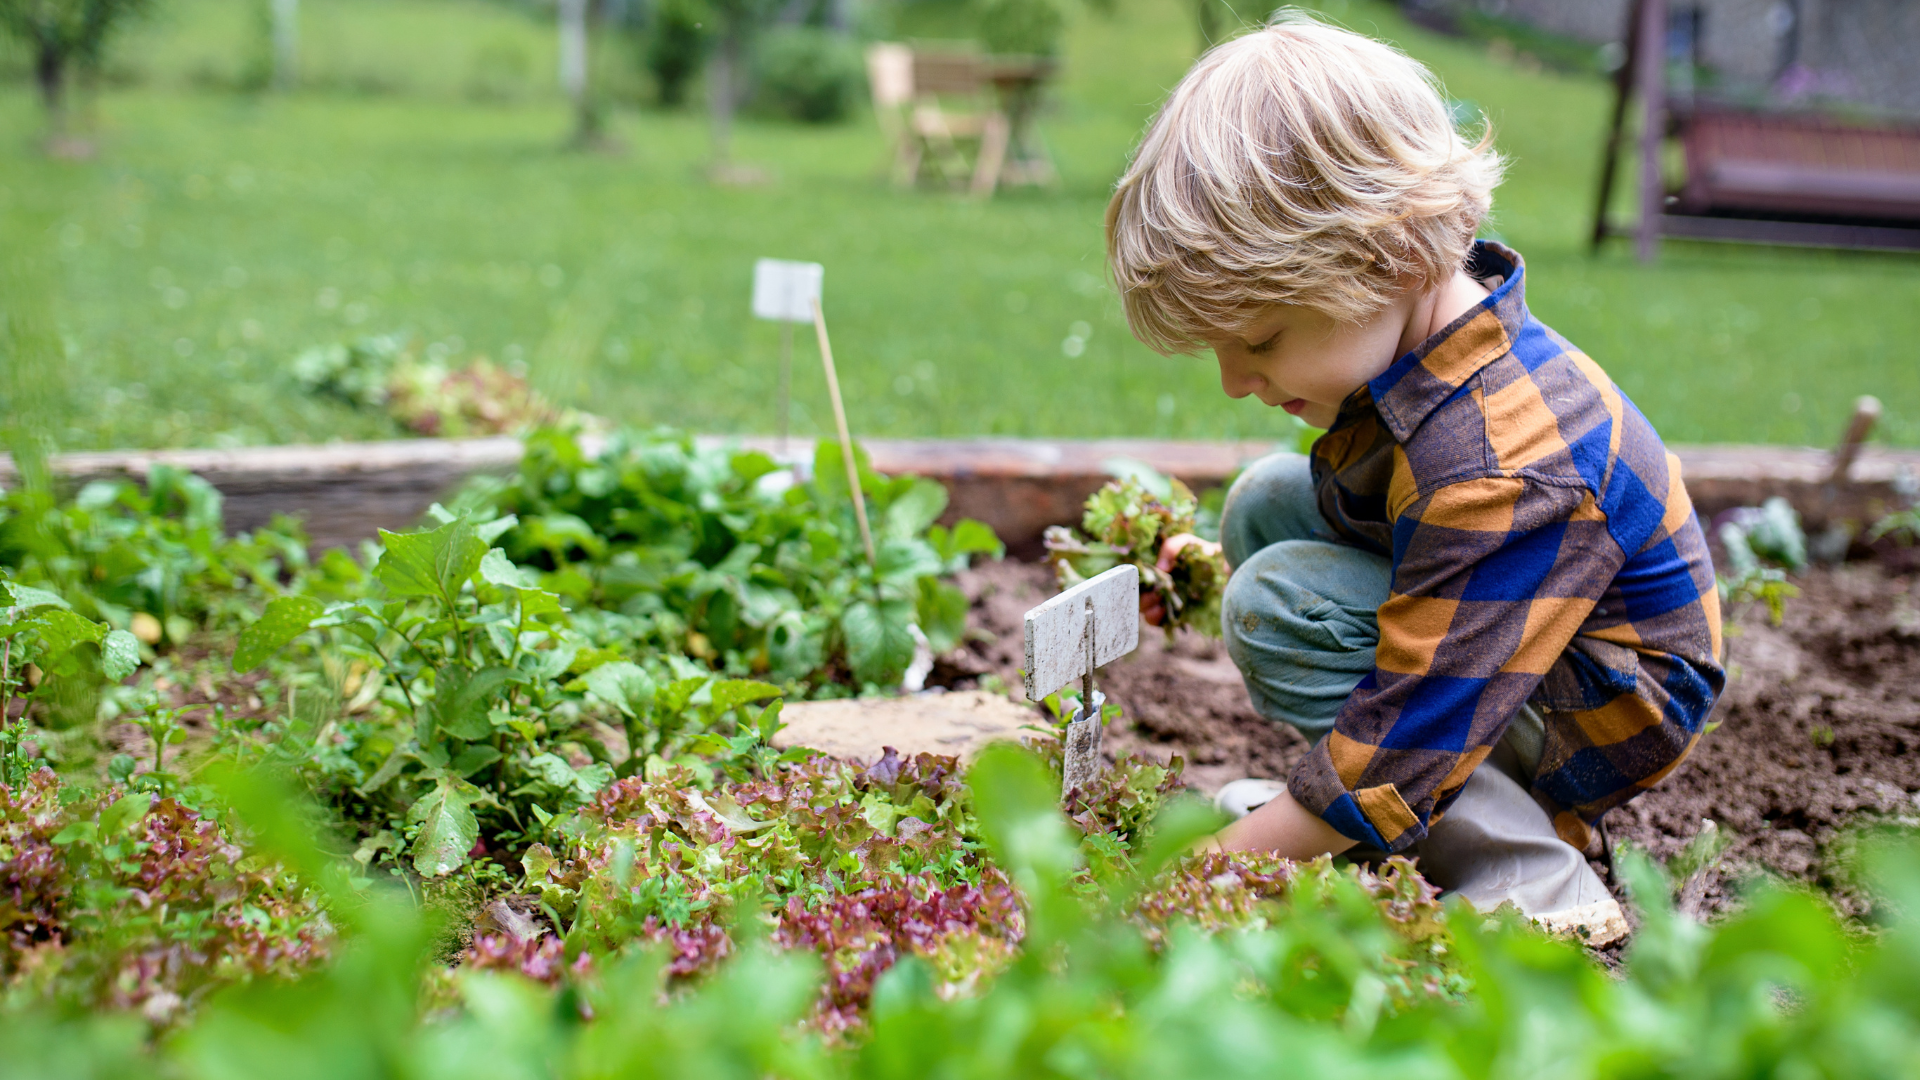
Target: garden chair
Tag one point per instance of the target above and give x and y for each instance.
(936, 108)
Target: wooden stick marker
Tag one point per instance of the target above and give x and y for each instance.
(846, 440)
(789, 292)
(1086, 627)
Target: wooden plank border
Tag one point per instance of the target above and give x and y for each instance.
(346, 491)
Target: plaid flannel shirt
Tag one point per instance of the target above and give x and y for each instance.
(1544, 551)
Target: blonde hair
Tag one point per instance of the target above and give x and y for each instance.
(1298, 164)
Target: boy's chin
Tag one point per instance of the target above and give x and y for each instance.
(1317, 416)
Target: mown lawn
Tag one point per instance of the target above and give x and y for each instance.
(423, 187)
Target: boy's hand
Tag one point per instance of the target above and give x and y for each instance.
(1152, 608)
(1286, 829)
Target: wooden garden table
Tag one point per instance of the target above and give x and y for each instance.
(1019, 156)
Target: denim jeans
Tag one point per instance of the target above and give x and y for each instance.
(1300, 615)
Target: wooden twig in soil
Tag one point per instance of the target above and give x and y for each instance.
(840, 422)
(1866, 412)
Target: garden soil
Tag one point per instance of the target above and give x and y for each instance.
(1819, 728)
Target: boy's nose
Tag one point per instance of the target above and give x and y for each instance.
(1239, 384)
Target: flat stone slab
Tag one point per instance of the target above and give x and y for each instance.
(958, 724)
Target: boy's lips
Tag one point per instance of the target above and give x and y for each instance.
(1294, 406)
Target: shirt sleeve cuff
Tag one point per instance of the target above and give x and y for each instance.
(1377, 816)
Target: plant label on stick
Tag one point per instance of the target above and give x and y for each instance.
(846, 440)
(785, 292)
(1092, 624)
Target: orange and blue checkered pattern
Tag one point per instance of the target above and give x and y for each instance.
(1544, 550)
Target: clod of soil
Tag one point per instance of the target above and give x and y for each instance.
(1816, 730)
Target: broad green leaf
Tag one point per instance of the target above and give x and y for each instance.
(59, 632)
(560, 533)
(489, 531)
(879, 643)
(768, 723)
(473, 759)
(942, 611)
(537, 861)
(918, 507)
(903, 562)
(23, 597)
(286, 618)
(119, 655)
(1017, 801)
(448, 829)
(497, 569)
(830, 470)
(967, 537)
(576, 785)
(116, 819)
(535, 603)
(623, 685)
(434, 562)
(388, 769)
(461, 701)
(730, 692)
(796, 644)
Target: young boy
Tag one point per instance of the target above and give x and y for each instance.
(1485, 595)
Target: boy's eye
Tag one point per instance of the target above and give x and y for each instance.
(1265, 346)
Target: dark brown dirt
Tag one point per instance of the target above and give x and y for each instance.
(1819, 728)
(1185, 698)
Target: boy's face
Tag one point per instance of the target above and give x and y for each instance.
(1304, 361)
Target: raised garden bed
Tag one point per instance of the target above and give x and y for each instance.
(347, 491)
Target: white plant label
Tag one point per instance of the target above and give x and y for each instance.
(786, 291)
(1056, 631)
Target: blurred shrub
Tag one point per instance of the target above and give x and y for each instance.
(806, 73)
(501, 71)
(1021, 27)
(675, 46)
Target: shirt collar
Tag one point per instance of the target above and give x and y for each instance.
(1421, 381)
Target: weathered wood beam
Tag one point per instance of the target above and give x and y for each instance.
(346, 491)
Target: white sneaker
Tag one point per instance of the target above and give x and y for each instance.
(1243, 797)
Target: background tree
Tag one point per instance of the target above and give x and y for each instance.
(1221, 19)
(734, 23)
(64, 35)
(580, 22)
(675, 45)
(284, 30)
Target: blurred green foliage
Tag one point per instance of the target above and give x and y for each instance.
(806, 73)
(1306, 987)
(216, 236)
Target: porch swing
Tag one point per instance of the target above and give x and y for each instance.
(1753, 176)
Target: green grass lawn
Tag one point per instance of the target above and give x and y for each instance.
(216, 234)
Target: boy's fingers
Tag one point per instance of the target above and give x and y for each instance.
(1151, 609)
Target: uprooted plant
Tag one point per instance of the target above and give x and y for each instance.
(1127, 521)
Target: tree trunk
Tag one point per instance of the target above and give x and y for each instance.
(286, 43)
(575, 76)
(50, 72)
(720, 93)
